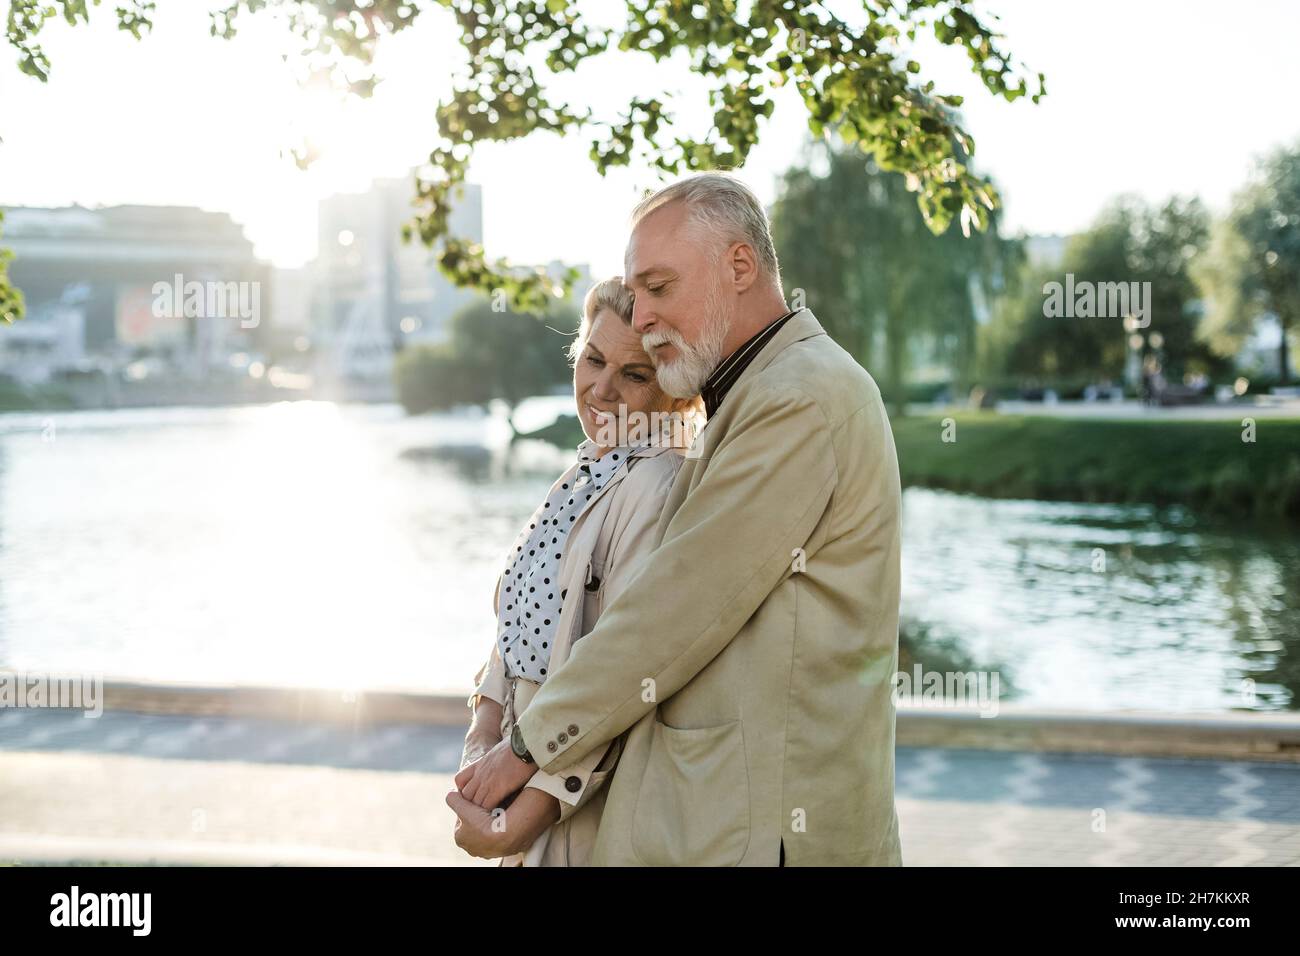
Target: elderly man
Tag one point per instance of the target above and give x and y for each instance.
(747, 669)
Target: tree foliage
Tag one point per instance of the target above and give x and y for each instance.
(11, 299)
(848, 235)
(1252, 268)
(1129, 242)
(489, 355)
(853, 74)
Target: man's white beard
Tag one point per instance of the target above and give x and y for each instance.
(686, 375)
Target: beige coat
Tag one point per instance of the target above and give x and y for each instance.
(613, 533)
(749, 664)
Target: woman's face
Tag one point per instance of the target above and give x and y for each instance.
(613, 377)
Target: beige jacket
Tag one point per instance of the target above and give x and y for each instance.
(748, 667)
(612, 534)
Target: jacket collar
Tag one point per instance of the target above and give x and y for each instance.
(802, 325)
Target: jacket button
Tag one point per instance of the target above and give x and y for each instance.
(572, 784)
(593, 584)
(550, 745)
(562, 737)
(573, 730)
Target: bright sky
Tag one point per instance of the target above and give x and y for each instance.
(1152, 98)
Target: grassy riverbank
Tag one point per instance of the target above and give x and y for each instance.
(1203, 464)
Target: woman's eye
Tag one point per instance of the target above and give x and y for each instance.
(595, 361)
(637, 377)
(655, 290)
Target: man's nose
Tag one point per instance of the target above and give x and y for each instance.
(642, 317)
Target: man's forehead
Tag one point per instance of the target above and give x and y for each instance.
(650, 236)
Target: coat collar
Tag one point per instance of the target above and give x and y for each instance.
(647, 450)
(802, 325)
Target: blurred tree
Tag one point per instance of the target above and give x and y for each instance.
(852, 73)
(11, 299)
(849, 236)
(489, 354)
(1129, 242)
(1252, 267)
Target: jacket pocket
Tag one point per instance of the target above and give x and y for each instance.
(693, 805)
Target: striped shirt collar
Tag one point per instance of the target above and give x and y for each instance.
(725, 375)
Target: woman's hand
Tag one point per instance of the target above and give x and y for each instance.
(499, 833)
(484, 731)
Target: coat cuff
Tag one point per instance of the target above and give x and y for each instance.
(490, 682)
(575, 787)
(556, 784)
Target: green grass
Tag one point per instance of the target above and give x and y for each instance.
(1204, 465)
(1201, 464)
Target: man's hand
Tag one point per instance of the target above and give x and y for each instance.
(491, 835)
(493, 777)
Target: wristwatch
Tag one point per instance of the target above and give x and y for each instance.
(517, 745)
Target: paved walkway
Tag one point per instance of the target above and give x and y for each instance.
(133, 788)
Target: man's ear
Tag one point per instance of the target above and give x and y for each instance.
(744, 266)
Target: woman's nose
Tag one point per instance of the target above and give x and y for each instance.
(604, 388)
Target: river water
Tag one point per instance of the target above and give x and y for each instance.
(315, 544)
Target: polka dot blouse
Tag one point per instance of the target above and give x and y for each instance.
(531, 599)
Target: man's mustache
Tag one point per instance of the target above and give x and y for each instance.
(653, 340)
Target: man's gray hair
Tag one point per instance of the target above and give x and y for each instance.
(725, 210)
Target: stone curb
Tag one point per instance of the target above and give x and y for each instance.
(1222, 735)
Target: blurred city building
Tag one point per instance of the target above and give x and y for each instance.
(90, 279)
(376, 292)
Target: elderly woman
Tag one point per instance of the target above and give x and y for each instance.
(576, 552)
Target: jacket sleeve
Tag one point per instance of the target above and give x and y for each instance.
(631, 542)
(558, 785)
(723, 551)
(491, 681)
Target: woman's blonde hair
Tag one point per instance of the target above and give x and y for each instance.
(613, 295)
